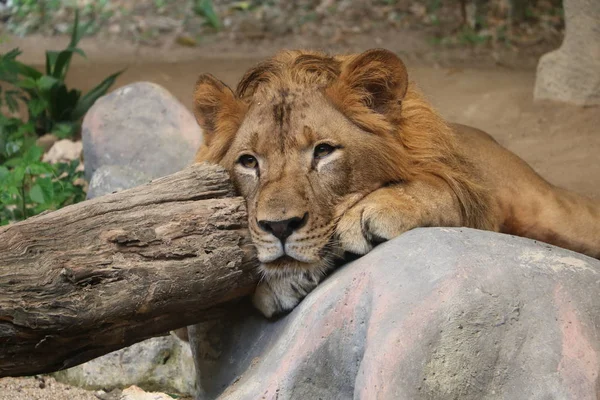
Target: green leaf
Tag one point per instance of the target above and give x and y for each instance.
(88, 100)
(12, 191)
(63, 60)
(32, 154)
(77, 33)
(4, 172)
(205, 9)
(40, 168)
(36, 194)
(25, 129)
(46, 83)
(65, 130)
(51, 57)
(36, 107)
(61, 64)
(13, 162)
(12, 104)
(63, 103)
(18, 174)
(9, 67)
(27, 71)
(28, 83)
(45, 193)
(12, 54)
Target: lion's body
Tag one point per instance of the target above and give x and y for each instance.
(524, 204)
(338, 153)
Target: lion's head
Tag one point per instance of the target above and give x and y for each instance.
(306, 135)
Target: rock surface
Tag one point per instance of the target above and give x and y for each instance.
(572, 73)
(113, 178)
(141, 128)
(434, 314)
(163, 364)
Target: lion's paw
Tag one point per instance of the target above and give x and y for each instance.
(379, 217)
(279, 294)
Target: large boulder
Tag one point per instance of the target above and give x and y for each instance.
(434, 314)
(572, 73)
(142, 129)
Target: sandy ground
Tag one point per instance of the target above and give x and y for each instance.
(38, 389)
(561, 142)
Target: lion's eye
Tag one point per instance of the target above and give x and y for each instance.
(323, 150)
(248, 161)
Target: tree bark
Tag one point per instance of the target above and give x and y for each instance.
(103, 274)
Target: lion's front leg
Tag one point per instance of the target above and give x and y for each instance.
(279, 293)
(390, 211)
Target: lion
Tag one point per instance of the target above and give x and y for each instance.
(336, 154)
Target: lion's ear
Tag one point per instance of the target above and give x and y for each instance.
(379, 77)
(214, 105)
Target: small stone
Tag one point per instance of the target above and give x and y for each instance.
(186, 40)
(162, 24)
(419, 10)
(46, 141)
(115, 29)
(62, 27)
(136, 393)
(63, 151)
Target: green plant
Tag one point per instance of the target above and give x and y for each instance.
(468, 35)
(205, 8)
(29, 186)
(51, 106)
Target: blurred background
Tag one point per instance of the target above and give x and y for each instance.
(474, 59)
(443, 31)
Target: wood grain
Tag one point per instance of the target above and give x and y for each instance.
(103, 274)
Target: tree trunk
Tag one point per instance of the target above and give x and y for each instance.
(100, 275)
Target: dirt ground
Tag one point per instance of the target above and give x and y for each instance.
(41, 389)
(491, 91)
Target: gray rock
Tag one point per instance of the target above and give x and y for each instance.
(572, 73)
(434, 314)
(163, 363)
(142, 127)
(112, 178)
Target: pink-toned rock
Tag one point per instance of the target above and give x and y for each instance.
(434, 314)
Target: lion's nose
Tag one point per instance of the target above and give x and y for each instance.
(284, 228)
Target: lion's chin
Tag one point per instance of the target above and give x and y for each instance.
(289, 262)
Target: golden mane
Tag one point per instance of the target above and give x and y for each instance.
(419, 142)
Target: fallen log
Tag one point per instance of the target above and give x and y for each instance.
(103, 274)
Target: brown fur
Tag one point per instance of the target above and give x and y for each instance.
(398, 164)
